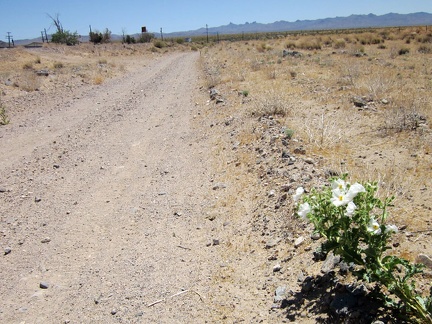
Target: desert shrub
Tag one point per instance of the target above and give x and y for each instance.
(58, 65)
(65, 37)
(369, 39)
(146, 38)
(194, 48)
(28, 66)
(401, 119)
(382, 46)
(30, 82)
(99, 79)
(4, 119)
(180, 40)
(425, 49)
(256, 64)
(129, 39)
(272, 103)
(403, 51)
(95, 37)
(309, 44)
(264, 47)
(159, 44)
(425, 38)
(38, 60)
(290, 44)
(339, 43)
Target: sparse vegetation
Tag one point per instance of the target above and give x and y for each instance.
(385, 135)
(159, 44)
(4, 118)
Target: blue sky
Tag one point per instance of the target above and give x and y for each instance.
(26, 18)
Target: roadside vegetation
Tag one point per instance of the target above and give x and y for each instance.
(354, 102)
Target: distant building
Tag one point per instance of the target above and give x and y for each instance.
(34, 44)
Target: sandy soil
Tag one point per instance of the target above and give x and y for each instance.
(105, 189)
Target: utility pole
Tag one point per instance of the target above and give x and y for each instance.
(207, 32)
(9, 38)
(161, 33)
(46, 36)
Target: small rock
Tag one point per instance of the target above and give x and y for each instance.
(309, 161)
(216, 242)
(299, 150)
(384, 101)
(46, 240)
(219, 186)
(271, 193)
(280, 294)
(56, 166)
(113, 312)
(7, 250)
(42, 72)
(3, 190)
(423, 258)
(44, 285)
(277, 268)
(299, 241)
(37, 199)
(211, 217)
(359, 101)
(330, 263)
(315, 236)
(272, 243)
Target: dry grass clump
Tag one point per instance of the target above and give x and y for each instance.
(98, 80)
(271, 103)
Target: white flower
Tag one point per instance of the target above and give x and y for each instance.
(391, 229)
(339, 184)
(304, 209)
(298, 194)
(340, 198)
(355, 189)
(374, 227)
(350, 209)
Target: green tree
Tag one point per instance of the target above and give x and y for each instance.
(62, 36)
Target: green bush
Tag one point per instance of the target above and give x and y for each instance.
(65, 37)
(129, 39)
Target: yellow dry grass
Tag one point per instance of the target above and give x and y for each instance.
(389, 141)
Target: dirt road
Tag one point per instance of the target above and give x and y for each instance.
(104, 192)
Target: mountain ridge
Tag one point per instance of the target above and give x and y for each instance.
(352, 21)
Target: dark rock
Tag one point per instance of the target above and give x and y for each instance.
(330, 263)
(44, 285)
(42, 72)
(37, 199)
(359, 101)
(291, 53)
(423, 258)
(216, 242)
(7, 250)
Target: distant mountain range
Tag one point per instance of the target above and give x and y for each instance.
(353, 21)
